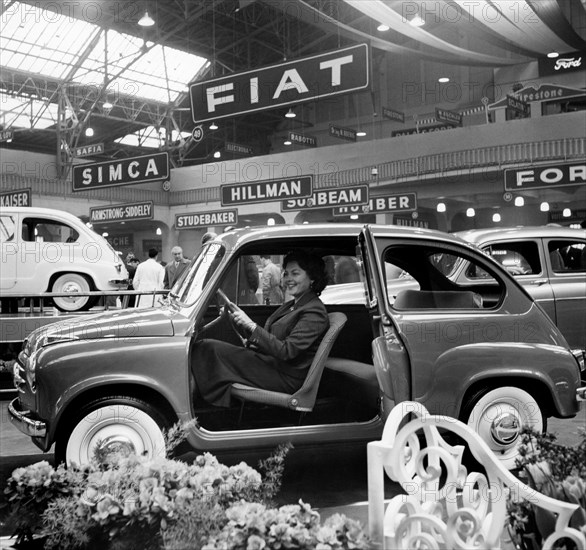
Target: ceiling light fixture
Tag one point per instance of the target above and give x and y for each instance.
(470, 212)
(213, 126)
(217, 155)
(553, 55)
(89, 131)
(146, 20)
(544, 207)
(107, 105)
(290, 114)
(287, 142)
(416, 21)
(158, 231)
(383, 28)
(354, 217)
(441, 207)
(443, 79)
(496, 217)
(519, 201)
(567, 213)
(360, 133)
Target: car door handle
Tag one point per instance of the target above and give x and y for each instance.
(539, 282)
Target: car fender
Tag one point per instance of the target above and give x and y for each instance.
(66, 372)
(460, 368)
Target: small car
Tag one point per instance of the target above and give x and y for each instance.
(481, 350)
(46, 250)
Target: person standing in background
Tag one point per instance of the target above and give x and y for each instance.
(176, 267)
(131, 265)
(271, 282)
(149, 276)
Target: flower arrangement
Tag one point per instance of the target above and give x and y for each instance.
(135, 503)
(554, 470)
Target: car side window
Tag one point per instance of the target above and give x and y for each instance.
(242, 281)
(567, 256)
(426, 278)
(48, 231)
(518, 258)
(7, 228)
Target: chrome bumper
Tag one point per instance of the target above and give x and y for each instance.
(581, 393)
(32, 428)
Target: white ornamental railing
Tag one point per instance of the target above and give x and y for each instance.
(444, 506)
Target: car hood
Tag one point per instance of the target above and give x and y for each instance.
(116, 324)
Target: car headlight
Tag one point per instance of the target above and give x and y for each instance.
(580, 355)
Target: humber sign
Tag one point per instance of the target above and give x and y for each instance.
(306, 79)
(127, 171)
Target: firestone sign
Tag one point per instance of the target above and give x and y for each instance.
(306, 79)
(128, 171)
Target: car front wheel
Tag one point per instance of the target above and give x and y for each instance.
(499, 416)
(110, 428)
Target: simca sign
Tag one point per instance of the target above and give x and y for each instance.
(266, 191)
(128, 171)
(378, 205)
(88, 150)
(21, 197)
(556, 175)
(307, 79)
(122, 212)
(329, 198)
(206, 219)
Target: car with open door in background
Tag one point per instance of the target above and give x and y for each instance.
(480, 350)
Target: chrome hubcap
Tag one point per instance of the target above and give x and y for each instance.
(115, 446)
(505, 428)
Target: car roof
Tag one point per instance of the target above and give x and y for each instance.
(251, 234)
(478, 236)
(38, 211)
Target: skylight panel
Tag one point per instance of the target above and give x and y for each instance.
(53, 41)
(21, 112)
(145, 70)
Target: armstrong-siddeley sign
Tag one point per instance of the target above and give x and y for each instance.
(121, 172)
(122, 212)
(306, 79)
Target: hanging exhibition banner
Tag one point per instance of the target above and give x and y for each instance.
(237, 148)
(450, 117)
(329, 198)
(88, 150)
(20, 197)
(306, 79)
(206, 219)
(130, 171)
(303, 139)
(551, 175)
(343, 133)
(122, 212)
(266, 191)
(404, 202)
(391, 114)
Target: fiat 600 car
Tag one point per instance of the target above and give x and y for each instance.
(479, 349)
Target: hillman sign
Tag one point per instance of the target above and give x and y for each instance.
(266, 191)
(329, 198)
(128, 171)
(306, 79)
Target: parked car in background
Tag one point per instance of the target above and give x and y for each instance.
(480, 350)
(549, 262)
(46, 250)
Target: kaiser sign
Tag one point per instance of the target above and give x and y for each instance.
(306, 79)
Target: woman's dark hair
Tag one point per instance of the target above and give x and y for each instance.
(313, 265)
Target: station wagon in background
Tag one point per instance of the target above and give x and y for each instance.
(479, 349)
(46, 250)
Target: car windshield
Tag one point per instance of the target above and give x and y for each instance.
(189, 288)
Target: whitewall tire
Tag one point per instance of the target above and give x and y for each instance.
(74, 284)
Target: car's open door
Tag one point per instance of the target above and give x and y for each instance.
(390, 356)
